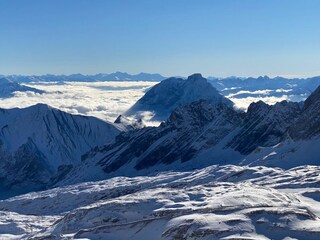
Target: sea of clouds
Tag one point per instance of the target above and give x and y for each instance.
(104, 100)
(107, 100)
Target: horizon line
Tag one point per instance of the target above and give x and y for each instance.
(288, 76)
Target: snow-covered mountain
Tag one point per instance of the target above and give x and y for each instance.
(164, 97)
(218, 202)
(195, 135)
(189, 129)
(265, 125)
(301, 141)
(245, 196)
(8, 87)
(201, 134)
(192, 133)
(40, 142)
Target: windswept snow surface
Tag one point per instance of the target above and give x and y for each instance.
(217, 202)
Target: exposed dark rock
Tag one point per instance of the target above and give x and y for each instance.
(264, 125)
(308, 123)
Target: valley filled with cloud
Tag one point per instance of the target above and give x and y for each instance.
(104, 100)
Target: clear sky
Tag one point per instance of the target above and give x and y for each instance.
(171, 37)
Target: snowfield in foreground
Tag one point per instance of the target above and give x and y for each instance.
(218, 202)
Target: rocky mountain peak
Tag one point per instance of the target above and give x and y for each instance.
(258, 107)
(164, 97)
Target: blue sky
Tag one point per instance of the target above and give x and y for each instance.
(171, 37)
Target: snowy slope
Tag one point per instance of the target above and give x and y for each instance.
(218, 202)
(39, 141)
(164, 97)
(8, 87)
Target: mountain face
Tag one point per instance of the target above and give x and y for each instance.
(189, 129)
(264, 125)
(195, 135)
(300, 145)
(39, 141)
(308, 123)
(164, 97)
(8, 87)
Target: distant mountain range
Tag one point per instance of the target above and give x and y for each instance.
(295, 89)
(227, 85)
(117, 76)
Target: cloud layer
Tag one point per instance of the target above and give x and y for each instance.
(105, 100)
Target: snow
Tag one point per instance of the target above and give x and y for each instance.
(45, 148)
(287, 154)
(217, 202)
(54, 132)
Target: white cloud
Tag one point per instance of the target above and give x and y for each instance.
(257, 92)
(105, 100)
(243, 103)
